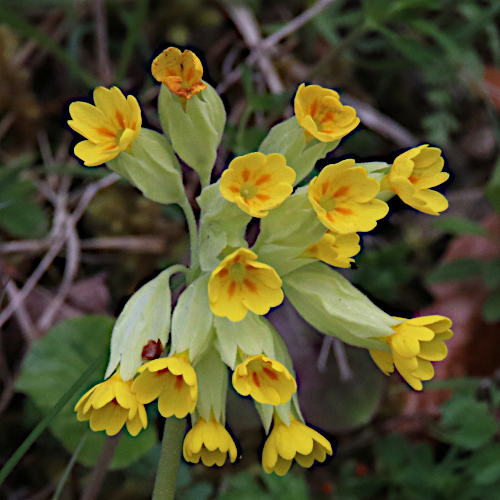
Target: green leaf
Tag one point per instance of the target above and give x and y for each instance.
(493, 188)
(484, 465)
(19, 214)
(248, 486)
(491, 307)
(456, 270)
(491, 273)
(460, 226)
(413, 50)
(55, 362)
(466, 422)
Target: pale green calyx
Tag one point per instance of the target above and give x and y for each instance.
(280, 245)
(288, 139)
(196, 131)
(145, 317)
(333, 306)
(151, 165)
(192, 320)
(252, 335)
(222, 225)
(211, 374)
(378, 170)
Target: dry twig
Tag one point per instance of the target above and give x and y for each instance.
(267, 45)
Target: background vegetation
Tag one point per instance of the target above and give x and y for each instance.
(75, 242)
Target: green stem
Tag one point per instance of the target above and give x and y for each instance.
(170, 458)
(193, 235)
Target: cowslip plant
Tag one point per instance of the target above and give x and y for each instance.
(218, 323)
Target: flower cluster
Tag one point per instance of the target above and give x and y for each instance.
(218, 322)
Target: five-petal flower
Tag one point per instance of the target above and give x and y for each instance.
(295, 441)
(257, 182)
(415, 343)
(240, 283)
(412, 175)
(268, 381)
(321, 114)
(180, 71)
(110, 405)
(343, 196)
(173, 381)
(110, 127)
(210, 442)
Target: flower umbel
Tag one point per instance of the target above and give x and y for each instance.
(335, 249)
(343, 197)
(110, 405)
(415, 343)
(110, 127)
(210, 442)
(240, 284)
(296, 441)
(257, 182)
(322, 115)
(173, 381)
(265, 379)
(180, 71)
(412, 175)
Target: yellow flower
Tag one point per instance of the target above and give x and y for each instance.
(173, 381)
(322, 115)
(111, 126)
(265, 379)
(110, 405)
(413, 173)
(180, 71)
(257, 182)
(209, 441)
(297, 441)
(335, 249)
(415, 343)
(240, 284)
(343, 197)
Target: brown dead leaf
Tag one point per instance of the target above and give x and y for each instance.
(475, 347)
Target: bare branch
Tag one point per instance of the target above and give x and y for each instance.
(265, 46)
(247, 25)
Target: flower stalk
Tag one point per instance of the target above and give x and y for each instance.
(170, 458)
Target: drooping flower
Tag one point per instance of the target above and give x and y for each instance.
(264, 379)
(322, 115)
(335, 249)
(415, 343)
(240, 284)
(257, 182)
(296, 441)
(343, 198)
(210, 442)
(180, 71)
(412, 175)
(110, 405)
(173, 381)
(110, 127)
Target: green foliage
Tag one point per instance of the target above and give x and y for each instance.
(493, 188)
(53, 365)
(248, 486)
(383, 272)
(404, 470)
(20, 214)
(469, 268)
(466, 422)
(459, 226)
